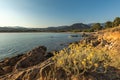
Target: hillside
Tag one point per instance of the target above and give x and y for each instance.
(94, 58)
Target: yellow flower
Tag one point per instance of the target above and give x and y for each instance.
(73, 55)
(53, 58)
(83, 63)
(74, 62)
(84, 59)
(96, 65)
(91, 55)
(90, 62)
(60, 62)
(88, 58)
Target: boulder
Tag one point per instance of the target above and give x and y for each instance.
(32, 58)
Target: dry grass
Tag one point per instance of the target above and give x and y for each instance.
(112, 35)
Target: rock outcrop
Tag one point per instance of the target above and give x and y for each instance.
(32, 58)
(16, 67)
(31, 73)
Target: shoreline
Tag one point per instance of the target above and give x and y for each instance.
(39, 60)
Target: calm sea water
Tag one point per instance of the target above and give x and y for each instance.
(12, 44)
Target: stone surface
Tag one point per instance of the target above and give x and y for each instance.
(23, 61)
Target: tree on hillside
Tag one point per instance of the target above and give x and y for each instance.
(108, 24)
(116, 22)
(96, 27)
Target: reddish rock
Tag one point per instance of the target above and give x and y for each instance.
(22, 61)
(32, 58)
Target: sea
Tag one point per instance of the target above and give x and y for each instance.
(12, 44)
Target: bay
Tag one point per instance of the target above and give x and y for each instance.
(12, 44)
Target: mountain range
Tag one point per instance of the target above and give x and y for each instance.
(73, 27)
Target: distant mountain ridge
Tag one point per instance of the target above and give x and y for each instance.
(73, 27)
(76, 26)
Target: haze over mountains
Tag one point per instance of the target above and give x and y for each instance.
(73, 27)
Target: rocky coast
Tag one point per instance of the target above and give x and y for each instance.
(35, 63)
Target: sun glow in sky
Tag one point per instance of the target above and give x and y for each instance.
(44, 13)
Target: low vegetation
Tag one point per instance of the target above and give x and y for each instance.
(80, 61)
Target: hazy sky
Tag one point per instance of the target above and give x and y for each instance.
(44, 13)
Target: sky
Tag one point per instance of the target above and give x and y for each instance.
(49, 13)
